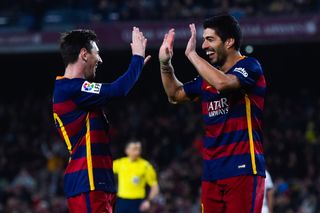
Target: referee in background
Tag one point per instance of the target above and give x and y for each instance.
(133, 173)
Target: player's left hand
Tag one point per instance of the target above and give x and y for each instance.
(145, 205)
(192, 43)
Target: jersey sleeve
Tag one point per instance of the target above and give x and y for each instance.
(193, 88)
(248, 72)
(151, 176)
(269, 182)
(91, 94)
(116, 165)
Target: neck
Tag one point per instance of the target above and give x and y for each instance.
(75, 70)
(133, 159)
(232, 59)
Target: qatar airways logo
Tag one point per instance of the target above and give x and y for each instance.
(219, 107)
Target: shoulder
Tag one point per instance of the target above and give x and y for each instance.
(250, 62)
(68, 85)
(247, 66)
(142, 161)
(146, 163)
(120, 160)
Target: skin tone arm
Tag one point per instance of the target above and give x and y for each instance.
(213, 76)
(172, 86)
(146, 204)
(270, 193)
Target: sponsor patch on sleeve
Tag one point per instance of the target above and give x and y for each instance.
(91, 87)
(241, 70)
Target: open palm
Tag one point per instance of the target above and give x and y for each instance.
(192, 43)
(166, 49)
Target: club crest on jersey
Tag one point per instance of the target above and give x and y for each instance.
(219, 107)
(136, 180)
(91, 87)
(241, 70)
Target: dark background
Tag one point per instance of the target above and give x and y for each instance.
(288, 68)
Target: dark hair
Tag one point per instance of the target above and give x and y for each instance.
(73, 41)
(226, 26)
(134, 141)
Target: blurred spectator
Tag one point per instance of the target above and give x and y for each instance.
(38, 8)
(37, 14)
(268, 198)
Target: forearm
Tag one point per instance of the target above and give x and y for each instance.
(124, 83)
(170, 83)
(212, 75)
(270, 195)
(154, 191)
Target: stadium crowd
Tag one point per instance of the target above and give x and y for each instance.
(37, 14)
(33, 158)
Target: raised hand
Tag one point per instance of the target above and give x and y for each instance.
(192, 43)
(166, 49)
(139, 42)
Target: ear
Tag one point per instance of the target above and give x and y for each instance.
(229, 43)
(83, 55)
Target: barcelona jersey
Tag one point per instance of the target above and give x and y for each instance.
(233, 141)
(81, 122)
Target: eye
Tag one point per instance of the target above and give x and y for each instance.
(209, 39)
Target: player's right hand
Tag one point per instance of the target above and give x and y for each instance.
(166, 49)
(139, 42)
(192, 43)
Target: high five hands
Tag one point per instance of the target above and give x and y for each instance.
(138, 44)
(192, 43)
(166, 49)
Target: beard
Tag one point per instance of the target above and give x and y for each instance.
(90, 75)
(221, 57)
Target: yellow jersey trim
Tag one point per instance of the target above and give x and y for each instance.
(63, 131)
(60, 77)
(248, 113)
(89, 156)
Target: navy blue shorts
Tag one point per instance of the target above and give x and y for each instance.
(128, 205)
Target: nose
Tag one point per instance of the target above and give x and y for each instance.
(204, 44)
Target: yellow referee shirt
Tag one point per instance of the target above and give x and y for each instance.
(133, 177)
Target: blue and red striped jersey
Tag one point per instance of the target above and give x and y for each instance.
(233, 141)
(81, 122)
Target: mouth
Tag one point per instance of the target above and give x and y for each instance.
(210, 53)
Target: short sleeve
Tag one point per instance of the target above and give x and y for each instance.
(269, 182)
(193, 88)
(248, 72)
(151, 176)
(116, 166)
